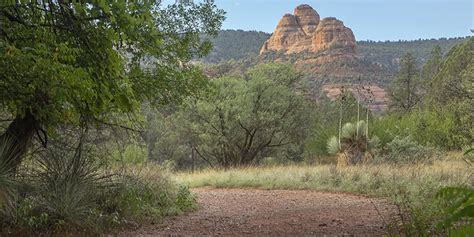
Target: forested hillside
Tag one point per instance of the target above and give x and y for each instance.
(237, 44)
(388, 53)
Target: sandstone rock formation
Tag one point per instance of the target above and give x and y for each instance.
(307, 18)
(331, 32)
(304, 31)
(325, 49)
(288, 34)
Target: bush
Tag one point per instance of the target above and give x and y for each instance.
(459, 219)
(70, 192)
(428, 128)
(148, 194)
(130, 154)
(406, 150)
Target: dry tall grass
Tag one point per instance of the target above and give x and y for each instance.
(377, 180)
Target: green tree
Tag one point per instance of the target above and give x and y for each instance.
(431, 67)
(249, 118)
(452, 90)
(405, 89)
(69, 62)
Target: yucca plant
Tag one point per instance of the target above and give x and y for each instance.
(68, 183)
(354, 143)
(7, 182)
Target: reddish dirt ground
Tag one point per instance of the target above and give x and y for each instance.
(251, 212)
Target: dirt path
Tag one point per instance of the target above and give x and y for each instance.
(250, 212)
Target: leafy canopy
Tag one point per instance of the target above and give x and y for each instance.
(249, 118)
(65, 61)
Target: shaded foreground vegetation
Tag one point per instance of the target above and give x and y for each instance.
(59, 193)
(73, 76)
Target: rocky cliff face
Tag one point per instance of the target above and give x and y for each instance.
(287, 35)
(331, 32)
(304, 31)
(307, 18)
(325, 49)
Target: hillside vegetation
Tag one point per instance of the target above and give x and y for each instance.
(239, 44)
(235, 44)
(389, 53)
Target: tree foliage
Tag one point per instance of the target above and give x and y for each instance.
(432, 65)
(405, 89)
(74, 62)
(235, 44)
(445, 117)
(249, 118)
(452, 90)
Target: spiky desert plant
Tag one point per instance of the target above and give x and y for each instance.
(7, 183)
(68, 182)
(333, 145)
(354, 142)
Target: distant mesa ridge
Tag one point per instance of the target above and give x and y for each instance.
(305, 31)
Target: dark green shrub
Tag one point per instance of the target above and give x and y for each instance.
(185, 200)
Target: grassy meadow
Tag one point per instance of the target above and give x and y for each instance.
(375, 180)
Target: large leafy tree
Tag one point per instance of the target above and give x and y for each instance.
(75, 62)
(248, 118)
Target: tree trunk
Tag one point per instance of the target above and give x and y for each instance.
(19, 133)
(193, 157)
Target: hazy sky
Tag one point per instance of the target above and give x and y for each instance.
(369, 19)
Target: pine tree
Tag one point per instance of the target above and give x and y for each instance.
(405, 90)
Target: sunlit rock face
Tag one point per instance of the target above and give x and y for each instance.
(307, 18)
(287, 35)
(304, 31)
(331, 32)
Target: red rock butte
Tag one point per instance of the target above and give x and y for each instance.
(304, 31)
